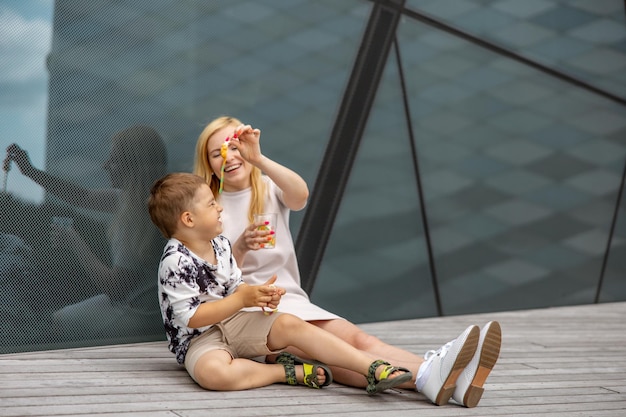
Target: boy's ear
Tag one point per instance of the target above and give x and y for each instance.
(186, 218)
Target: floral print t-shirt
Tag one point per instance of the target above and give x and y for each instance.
(186, 281)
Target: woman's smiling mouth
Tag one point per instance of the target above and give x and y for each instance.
(232, 167)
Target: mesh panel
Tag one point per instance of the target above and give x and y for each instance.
(80, 264)
(72, 276)
(124, 89)
(163, 69)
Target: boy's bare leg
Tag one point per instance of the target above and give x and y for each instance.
(341, 375)
(317, 343)
(217, 370)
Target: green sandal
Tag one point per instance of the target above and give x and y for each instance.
(384, 382)
(310, 367)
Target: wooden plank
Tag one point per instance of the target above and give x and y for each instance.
(559, 362)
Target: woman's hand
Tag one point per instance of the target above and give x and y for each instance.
(248, 143)
(252, 238)
(295, 190)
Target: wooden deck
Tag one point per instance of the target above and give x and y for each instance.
(566, 361)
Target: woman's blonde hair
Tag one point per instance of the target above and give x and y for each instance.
(202, 167)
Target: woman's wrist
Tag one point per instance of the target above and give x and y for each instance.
(258, 161)
(239, 250)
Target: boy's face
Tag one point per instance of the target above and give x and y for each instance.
(206, 212)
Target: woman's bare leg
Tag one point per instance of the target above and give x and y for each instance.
(317, 343)
(369, 345)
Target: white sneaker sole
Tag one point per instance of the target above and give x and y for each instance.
(463, 358)
(488, 357)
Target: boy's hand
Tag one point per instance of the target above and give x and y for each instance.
(264, 296)
(276, 294)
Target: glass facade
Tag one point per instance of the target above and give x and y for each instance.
(477, 164)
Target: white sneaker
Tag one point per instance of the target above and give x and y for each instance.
(436, 377)
(469, 385)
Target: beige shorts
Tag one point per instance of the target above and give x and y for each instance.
(243, 335)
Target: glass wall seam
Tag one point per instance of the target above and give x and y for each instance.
(418, 180)
(607, 252)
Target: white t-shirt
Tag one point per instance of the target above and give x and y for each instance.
(259, 266)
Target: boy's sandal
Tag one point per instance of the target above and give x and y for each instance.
(384, 382)
(310, 367)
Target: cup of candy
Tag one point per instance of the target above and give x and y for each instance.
(269, 225)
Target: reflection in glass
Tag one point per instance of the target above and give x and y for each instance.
(119, 287)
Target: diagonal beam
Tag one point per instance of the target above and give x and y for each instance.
(345, 138)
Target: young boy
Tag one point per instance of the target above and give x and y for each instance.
(216, 323)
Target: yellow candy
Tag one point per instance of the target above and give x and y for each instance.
(224, 153)
(272, 238)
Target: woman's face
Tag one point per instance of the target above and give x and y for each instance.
(236, 171)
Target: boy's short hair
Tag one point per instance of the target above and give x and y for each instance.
(169, 197)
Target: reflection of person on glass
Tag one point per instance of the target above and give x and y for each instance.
(137, 158)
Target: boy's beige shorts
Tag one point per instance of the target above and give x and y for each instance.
(243, 335)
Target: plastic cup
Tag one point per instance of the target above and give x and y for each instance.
(270, 224)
